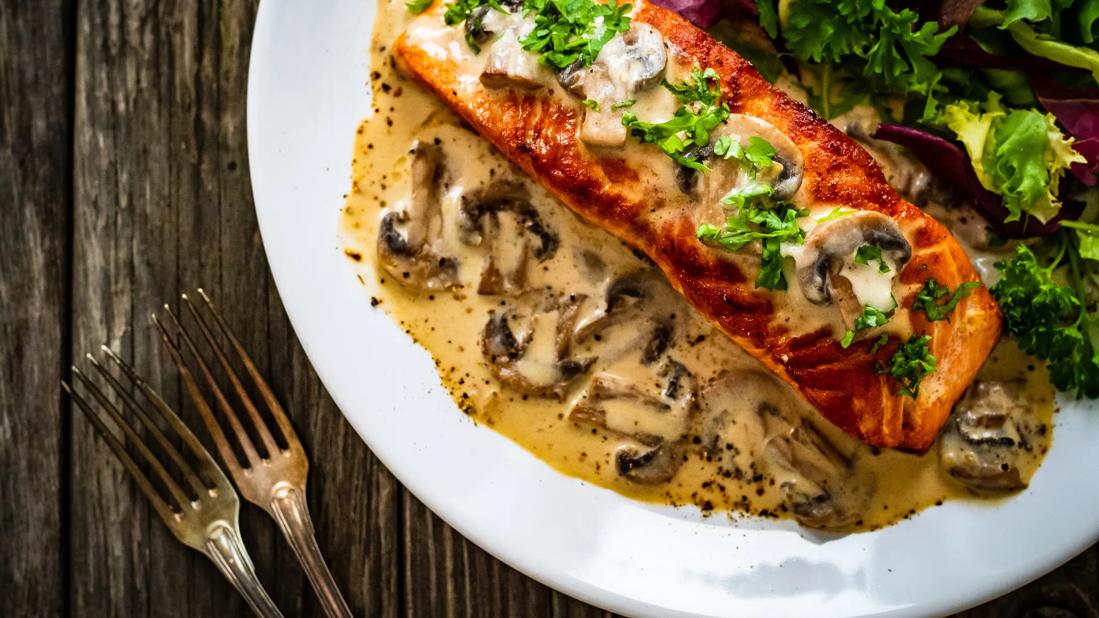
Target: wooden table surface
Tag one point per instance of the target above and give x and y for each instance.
(123, 181)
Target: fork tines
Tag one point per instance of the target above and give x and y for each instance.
(170, 499)
(259, 426)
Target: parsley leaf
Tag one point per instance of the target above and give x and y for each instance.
(910, 364)
(927, 300)
(891, 46)
(418, 6)
(698, 88)
(771, 226)
(768, 17)
(592, 104)
(758, 155)
(569, 31)
(871, 318)
(1048, 321)
(459, 10)
(837, 213)
(682, 136)
(882, 340)
(868, 253)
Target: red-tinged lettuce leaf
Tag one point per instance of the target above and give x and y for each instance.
(1077, 109)
(702, 13)
(951, 165)
(956, 12)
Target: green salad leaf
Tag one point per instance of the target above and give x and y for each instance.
(1021, 154)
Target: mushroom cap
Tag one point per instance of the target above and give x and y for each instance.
(984, 441)
(649, 458)
(505, 352)
(729, 175)
(832, 243)
(629, 63)
(413, 255)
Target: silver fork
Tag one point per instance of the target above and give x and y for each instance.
(276, 481)
(204, 518)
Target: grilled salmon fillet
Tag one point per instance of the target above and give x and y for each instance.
(539, 133)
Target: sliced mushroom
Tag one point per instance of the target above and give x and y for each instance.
(501, 218)
(509, 65)
(753, 412)
(414, 257)
(629, 63)
(987, 436)
(728, 175)
(655, 423)
(826, 266)
(816, 481)
(639, 296)
(537, 361)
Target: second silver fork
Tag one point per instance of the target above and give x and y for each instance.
(275, 481)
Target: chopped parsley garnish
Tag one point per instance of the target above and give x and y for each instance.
(459, 10)
(418, 6)
(758, 155)
(882, 340)
(750, 192)
(623, 104)
(870, 253)
(688, 131)
(569, 31)
(592, 103)
(910, 364)
(702, 87)
(772, 226)
(871, 318)
(1048, 320)
(927, 300)
(836, 213)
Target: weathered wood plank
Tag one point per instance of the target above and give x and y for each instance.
(35, 136)
(163, 204)
(135, 61)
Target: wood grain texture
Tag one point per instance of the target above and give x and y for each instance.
(35, 137)
(147, 99)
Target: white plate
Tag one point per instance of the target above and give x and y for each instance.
(307, 90)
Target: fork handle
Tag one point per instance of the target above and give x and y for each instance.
(225, 547)
(290, 510)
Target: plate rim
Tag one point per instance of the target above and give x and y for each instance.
(561, 581)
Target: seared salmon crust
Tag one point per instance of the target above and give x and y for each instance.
(539, 133)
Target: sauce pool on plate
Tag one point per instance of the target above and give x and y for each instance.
(555, 334)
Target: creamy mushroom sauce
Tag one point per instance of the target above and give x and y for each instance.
(604, 372)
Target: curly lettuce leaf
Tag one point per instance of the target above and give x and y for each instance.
(1019, 154)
